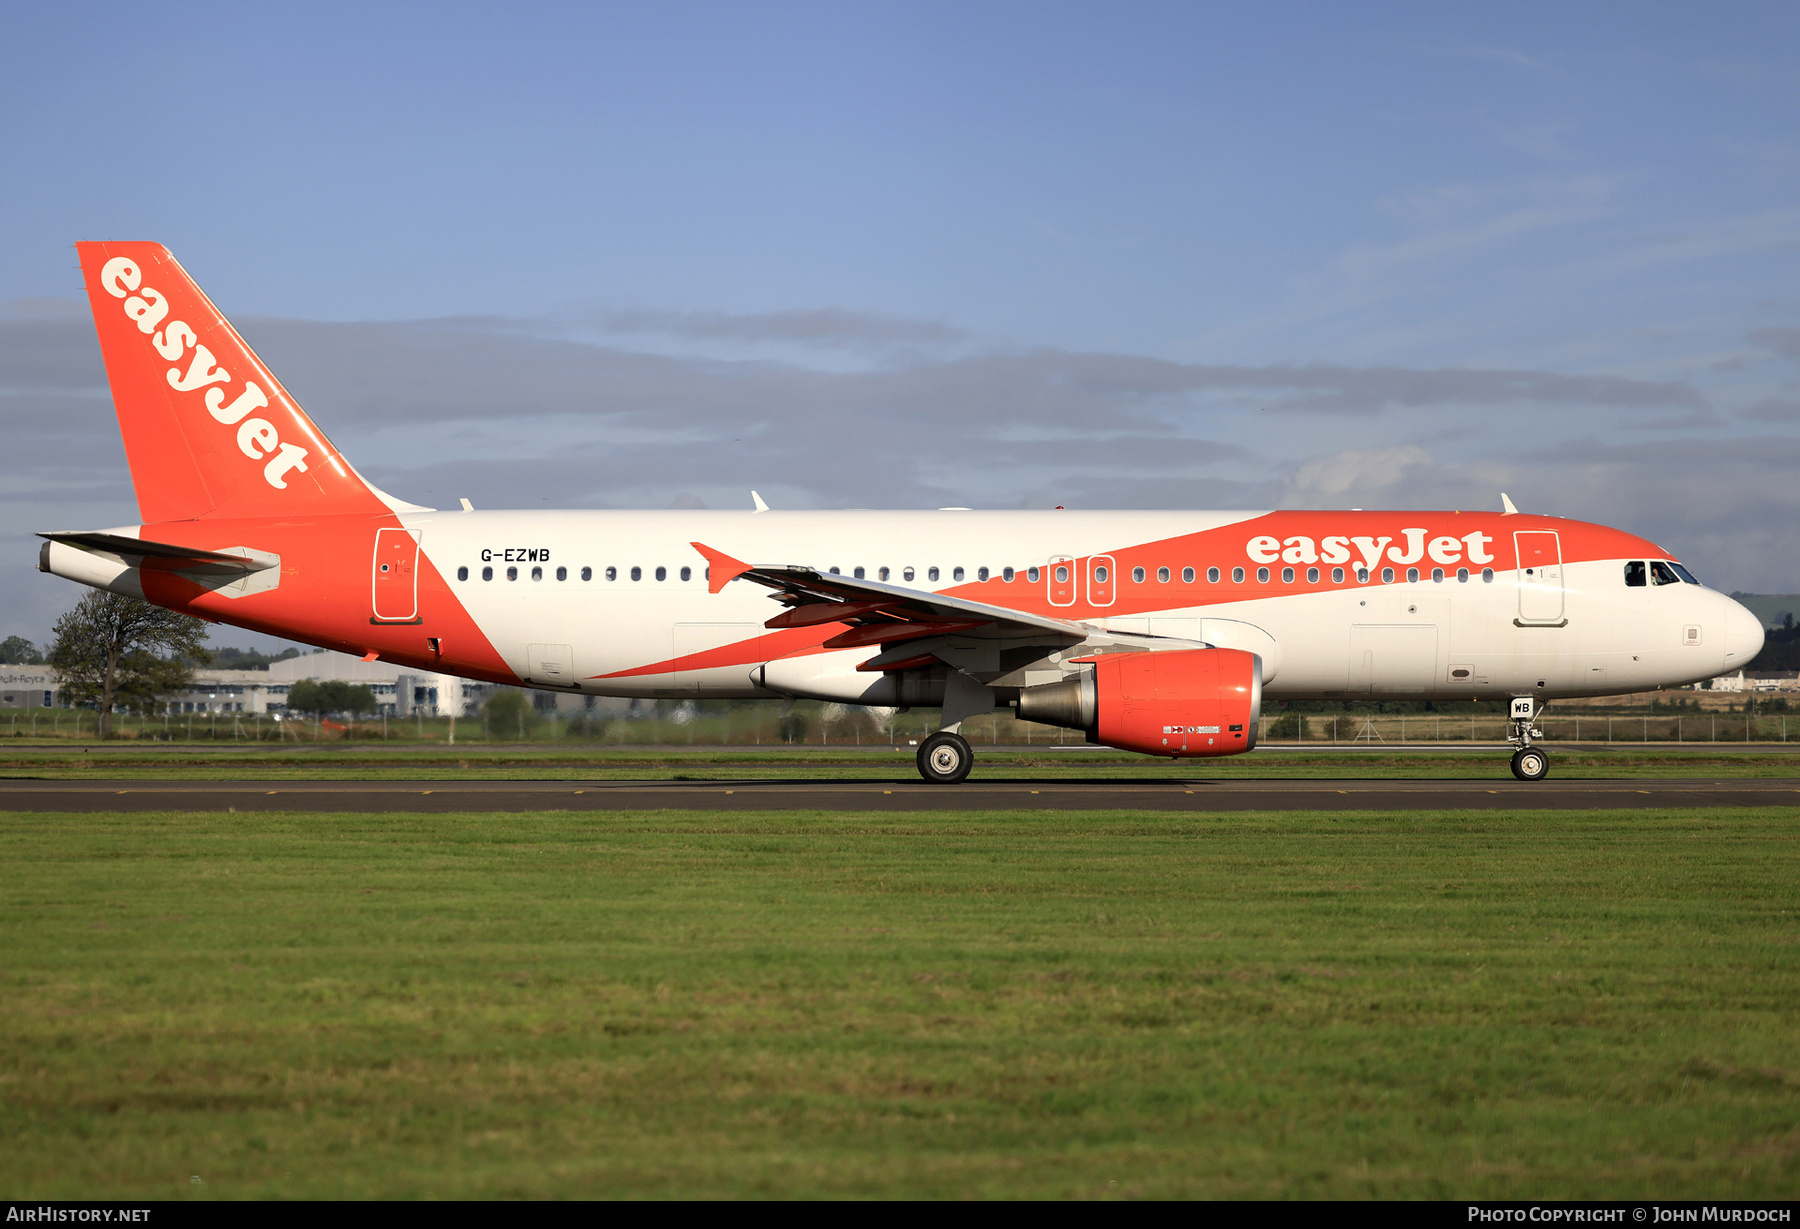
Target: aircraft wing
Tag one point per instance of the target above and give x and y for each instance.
(910, 626)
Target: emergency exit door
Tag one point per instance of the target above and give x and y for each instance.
(1060, 576)
(396, 579)
(1540, 577)
(1101, 575)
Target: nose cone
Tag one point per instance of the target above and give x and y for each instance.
(1743, 636)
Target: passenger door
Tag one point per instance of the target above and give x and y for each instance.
(1539, 577)
(396, 576)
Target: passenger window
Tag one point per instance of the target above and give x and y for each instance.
(833, 571)
(1062, 574)
(1100, 574)
(1031, 575)
(1312, 576)
(1337, 576)
(1362, 576)
(1006, 574)
(662, 573)
(956, 573)
(1462, 576)
(858, 573)
(1187, 576)
(1237, 576)
(637, 573)
(1634, 573)
(1662, 574)
(462, 573)
(687, 573)
(1137, 575)
(1412, 576)
(537, 573)
(931, 573)
(1387, 576)
(906, 574)
(562, 573)
(487, 573)
(881, 573)
(1487, 576)
(512, 573)
(1437, 575)
(587, 573)
(1262, 576)
(1287, 576)
(981, 573)
(612, 573)
(1212, 576)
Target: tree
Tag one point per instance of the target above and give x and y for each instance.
(18, 651)
(330, 696)
(233, 658)
(112, 650)
(509, 713)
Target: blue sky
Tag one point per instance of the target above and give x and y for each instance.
(911, 255)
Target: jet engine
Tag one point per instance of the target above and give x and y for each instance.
(1187, 702)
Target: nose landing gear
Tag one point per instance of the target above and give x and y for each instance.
(1528, 763)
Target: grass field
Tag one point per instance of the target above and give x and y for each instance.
(805, 1004)
(526, 762)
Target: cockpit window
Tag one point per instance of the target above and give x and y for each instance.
(1634, 573)
(1662, 574)
(1684, 573)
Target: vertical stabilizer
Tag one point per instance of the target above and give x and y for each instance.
(208, 430)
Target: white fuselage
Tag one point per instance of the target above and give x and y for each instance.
(1422, 639)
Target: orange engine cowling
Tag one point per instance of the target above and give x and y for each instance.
(1188, 702)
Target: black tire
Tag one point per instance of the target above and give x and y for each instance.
(1530, 764)
(945, 759)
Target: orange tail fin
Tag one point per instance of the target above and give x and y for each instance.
(208, 431)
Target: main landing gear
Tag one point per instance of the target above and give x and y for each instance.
(1529, 763)
(945, 758)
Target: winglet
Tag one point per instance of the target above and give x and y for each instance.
(758, 500)
(721, 569)
(1506, 505)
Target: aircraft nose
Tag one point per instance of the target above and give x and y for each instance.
(1743, 636)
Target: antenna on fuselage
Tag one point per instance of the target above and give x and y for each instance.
(1506, 505)
(758, 501)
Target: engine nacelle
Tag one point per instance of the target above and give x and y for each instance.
(1187, 702)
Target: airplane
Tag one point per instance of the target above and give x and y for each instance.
(1156, 632)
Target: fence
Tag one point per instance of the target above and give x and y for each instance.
(841, 726)
(1347, 728)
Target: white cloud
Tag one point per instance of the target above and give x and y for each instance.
(1359, 469)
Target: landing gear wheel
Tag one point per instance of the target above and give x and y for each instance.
(1530, 764)
(945, 759)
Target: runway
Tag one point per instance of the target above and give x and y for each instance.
(898, 794)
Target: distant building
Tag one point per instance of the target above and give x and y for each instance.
(1759, 680)
(29, 687)
(399, 691)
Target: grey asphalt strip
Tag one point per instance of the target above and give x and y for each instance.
(898, 794)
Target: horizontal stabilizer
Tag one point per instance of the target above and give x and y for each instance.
(122, 544)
